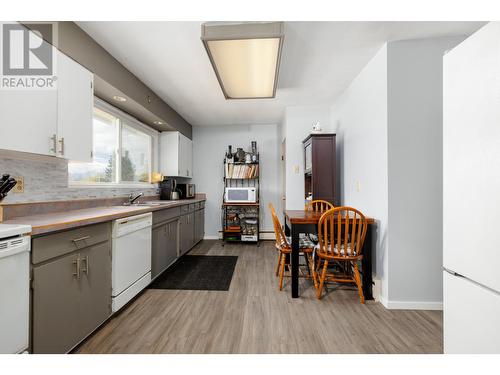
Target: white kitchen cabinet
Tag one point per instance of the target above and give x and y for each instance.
(75, 105)
(28, 118)
(54, 122)
(176, 155)
(28, 121)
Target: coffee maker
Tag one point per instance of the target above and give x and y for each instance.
(168, 187)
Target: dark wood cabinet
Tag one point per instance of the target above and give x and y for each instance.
(320, 172)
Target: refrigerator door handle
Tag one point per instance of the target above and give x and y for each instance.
(452, 272)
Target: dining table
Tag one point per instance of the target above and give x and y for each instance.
(299, 222)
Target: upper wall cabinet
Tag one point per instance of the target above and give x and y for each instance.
(75, 99)
(55, 121)
(176, 155)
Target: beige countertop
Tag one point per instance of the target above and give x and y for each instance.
(55, 221)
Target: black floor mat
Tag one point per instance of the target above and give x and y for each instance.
(198, 272)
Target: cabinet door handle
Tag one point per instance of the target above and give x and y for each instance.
(54, 144)
(81, 239)
(87, 265)
(169, 230)
(61, 141)
(76, 263)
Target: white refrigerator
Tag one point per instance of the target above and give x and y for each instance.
(471, 194)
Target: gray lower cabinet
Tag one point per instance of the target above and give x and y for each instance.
(164, 248)
(199, 225)
(186, 232)
(71, 292)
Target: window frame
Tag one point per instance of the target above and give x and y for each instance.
(132, 122)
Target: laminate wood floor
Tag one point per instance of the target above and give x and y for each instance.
(255, 317)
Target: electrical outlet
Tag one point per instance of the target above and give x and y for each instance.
(358, 186)
(19, 188)
(296, 169)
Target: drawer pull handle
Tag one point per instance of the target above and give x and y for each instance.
(76, 263)
(81, 239)
(87, 265)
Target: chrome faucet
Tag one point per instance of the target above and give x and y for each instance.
(132, 199)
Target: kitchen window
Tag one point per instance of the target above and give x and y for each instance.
(123, 151)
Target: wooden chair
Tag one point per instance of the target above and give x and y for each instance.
(341, 234)
(284, 248)
(318, 206)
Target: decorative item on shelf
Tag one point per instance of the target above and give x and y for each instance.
(240, 155)
(229, 154)
(255, 155)
(254, 147)
(316, 129)
(248, 158)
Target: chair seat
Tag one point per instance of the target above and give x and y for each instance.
(305, 245)
(304, 242)
(350, 252)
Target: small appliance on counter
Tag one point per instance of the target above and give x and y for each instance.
(168, 189)
(187, 191)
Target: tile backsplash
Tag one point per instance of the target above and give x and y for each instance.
(46, 179)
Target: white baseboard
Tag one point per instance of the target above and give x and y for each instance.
(410, 305)
(211, 238)
(267, 236)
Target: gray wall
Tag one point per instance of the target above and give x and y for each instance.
(209, 146)
(297, 124)
(389, 125)
(46, 179)
(360, 119)
(415, 144)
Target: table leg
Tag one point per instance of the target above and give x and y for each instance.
(366, 264)
(295, 261)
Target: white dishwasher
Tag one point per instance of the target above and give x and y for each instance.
(131, 258)
(15, 245)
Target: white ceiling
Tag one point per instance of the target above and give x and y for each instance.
(319, 61)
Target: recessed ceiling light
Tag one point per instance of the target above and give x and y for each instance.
(119, 98)
(158, 122)
(245, 56)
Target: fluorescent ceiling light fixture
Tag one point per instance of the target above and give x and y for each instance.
(245, 57)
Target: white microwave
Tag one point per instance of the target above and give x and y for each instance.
(240, 195)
